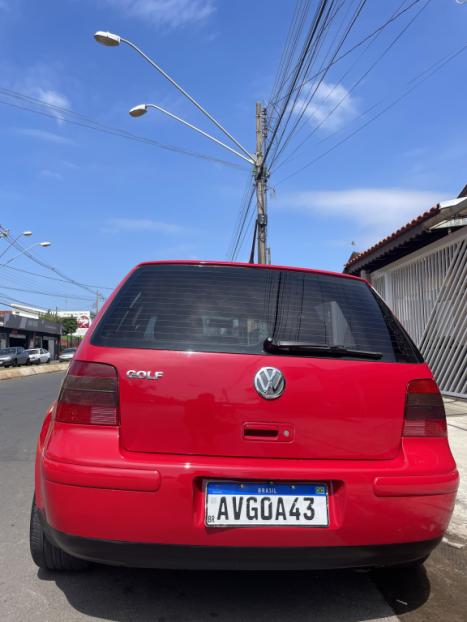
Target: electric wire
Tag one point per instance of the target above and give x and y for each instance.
(429, 72)
(55, 294)
(243, 202)
(243, 227)
(28, 282)
(306, 102)
(21, 302)
(44, 264)
(98, 127)
(309, 41)
(352, 88)
(292, 39)
(284, 140)
(245, 232)
(361, 42)
(53, 278)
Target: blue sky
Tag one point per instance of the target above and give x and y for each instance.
(107, 203)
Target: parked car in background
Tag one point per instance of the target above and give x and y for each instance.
(38, 356)
(243, 416)
(67, 354)
(12, 357)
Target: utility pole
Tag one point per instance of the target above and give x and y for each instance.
(97, 301)
(260, 183)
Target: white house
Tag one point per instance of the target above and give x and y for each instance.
(421, 272)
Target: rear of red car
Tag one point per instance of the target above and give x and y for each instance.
(236, 416)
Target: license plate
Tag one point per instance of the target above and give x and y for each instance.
(278, 504)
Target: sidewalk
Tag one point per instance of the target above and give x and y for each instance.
(456, 411)
(31, 370)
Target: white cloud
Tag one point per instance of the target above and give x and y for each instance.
(331, 106)
(142, 225)
(371, 213)
(50, 174)
(172, 13)
(44, 135)
(41, 81)
(53, 98)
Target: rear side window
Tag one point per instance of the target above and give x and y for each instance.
(234, 309)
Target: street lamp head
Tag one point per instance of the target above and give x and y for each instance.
(138, 111)
(107, 38)
(27, 233)
(45, 244)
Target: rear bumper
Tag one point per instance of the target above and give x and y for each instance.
(147, 555)
(90, 488)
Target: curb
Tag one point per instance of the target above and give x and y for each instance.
(32, 370)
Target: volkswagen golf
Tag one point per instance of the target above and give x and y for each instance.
(240, 416)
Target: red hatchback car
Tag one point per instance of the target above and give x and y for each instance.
(242, 416)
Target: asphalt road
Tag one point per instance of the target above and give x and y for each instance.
(124, 595)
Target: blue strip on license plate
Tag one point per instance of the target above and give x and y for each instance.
(252, 488)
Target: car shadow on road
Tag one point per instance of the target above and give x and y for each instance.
(124, 594)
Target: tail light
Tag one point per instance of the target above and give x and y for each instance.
(89, 395)
(424, 410)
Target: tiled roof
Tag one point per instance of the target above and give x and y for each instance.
(416, 221)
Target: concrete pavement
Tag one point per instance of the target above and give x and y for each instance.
(125, 595)
(31, 370)
(456, 411)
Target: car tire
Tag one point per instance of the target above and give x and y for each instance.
(46, 555)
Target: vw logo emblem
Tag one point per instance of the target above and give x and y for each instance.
(269, 383)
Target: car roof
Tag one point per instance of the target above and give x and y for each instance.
(197, 262)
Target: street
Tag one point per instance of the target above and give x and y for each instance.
(105, 593)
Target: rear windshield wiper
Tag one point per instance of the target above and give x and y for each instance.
(303, 347)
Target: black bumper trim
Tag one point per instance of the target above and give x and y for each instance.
(149, 555)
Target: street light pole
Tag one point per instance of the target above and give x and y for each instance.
(138, 111)
(25, 250)
(6, 234)
(260, 174)
(110, 39)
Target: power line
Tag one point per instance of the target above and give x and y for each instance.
(280, 147)
(356, 83)
(27, 283)
(310, 39)
(246, 229)
(247, 189)
(53, 278)
(293, 36)
(312, 55)
(361, 42)
(98, 127)
(242, 229)
(21, 302)
(57, 295)
(432, 70)
(51, 268)
(44, 264)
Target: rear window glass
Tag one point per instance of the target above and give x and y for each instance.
(234, 309)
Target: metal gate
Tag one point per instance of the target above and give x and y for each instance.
(428, 293)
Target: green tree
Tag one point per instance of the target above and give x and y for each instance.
(50, 316)
(69, 325)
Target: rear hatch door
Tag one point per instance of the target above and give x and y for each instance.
(187, 341)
